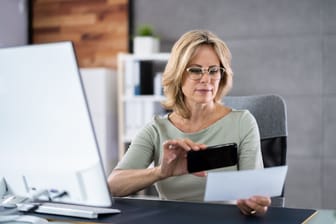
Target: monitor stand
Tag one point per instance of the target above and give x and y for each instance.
(24, 204)
(7, 198)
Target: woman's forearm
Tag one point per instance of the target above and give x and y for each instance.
(125, 182)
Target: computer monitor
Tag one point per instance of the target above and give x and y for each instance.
(48, 147)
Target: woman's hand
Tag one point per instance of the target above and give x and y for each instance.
(174, 160)
(255, 205)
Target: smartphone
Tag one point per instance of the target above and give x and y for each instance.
(212, 157)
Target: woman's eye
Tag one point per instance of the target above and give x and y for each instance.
(196, 70)
(213, 71)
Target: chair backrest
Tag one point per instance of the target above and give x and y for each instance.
(271, 115)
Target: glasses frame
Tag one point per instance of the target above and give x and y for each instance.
(196, 76)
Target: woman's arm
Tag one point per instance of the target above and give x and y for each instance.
(126, 182)
(132, 173)
(123, 182)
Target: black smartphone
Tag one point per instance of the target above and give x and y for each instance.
(212, 157)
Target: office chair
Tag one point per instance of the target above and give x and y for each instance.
(271, 116)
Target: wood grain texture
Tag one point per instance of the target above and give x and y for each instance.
(98, 28)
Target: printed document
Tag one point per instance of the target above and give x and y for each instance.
(233, 185)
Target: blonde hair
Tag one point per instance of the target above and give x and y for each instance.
(182, 52)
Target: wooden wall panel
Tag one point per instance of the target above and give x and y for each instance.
(98, 28)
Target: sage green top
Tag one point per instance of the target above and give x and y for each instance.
(239, 126)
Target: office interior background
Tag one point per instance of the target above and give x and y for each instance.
(281, 47)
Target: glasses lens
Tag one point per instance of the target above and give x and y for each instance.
(195, 70)
(213, 71)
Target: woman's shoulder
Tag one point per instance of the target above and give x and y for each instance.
(150, 129)
(156, 121)
(243, 116)
(160, 119)
(241, 113)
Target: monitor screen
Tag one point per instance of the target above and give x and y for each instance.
(48, 146)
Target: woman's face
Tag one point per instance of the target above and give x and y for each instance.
(204, 90)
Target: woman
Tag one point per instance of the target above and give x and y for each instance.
(197, 76)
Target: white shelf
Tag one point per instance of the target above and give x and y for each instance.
(135, 111)
(147, 98)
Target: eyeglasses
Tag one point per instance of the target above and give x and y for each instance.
(196, 73)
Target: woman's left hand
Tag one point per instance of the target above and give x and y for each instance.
(255, 205)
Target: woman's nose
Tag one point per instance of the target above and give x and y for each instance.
(205, 77)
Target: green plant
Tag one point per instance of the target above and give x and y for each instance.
(145, 30)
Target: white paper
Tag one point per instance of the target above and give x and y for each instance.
(233, 185)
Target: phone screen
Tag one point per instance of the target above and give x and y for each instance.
(212, 157)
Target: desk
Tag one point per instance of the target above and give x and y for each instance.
(324, 217)
(172, 212)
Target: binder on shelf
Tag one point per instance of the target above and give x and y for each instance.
(136, 78)
(139, 78)
(132, 119)
(138, 113)
(148, 111)
(129, 77)
(158, 91)
(146, 78)
(128, 115)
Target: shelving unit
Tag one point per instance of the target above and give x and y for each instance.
(139, 93)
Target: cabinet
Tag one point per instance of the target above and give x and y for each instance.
(139, 93)
(101, 92)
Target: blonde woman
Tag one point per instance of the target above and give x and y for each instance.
(197, 76)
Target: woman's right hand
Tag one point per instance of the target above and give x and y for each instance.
(174, 159)
(173, 163)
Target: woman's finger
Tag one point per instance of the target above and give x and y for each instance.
(241, 204)
(256, 205)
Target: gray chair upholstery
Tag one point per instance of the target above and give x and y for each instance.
(271, 115)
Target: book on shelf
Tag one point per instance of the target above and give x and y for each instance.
(129, 80)
(158, 90)
(133, 118)
(146, 78)
(141, 78)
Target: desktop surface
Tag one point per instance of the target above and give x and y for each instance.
(324, 216)
(157, 211)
